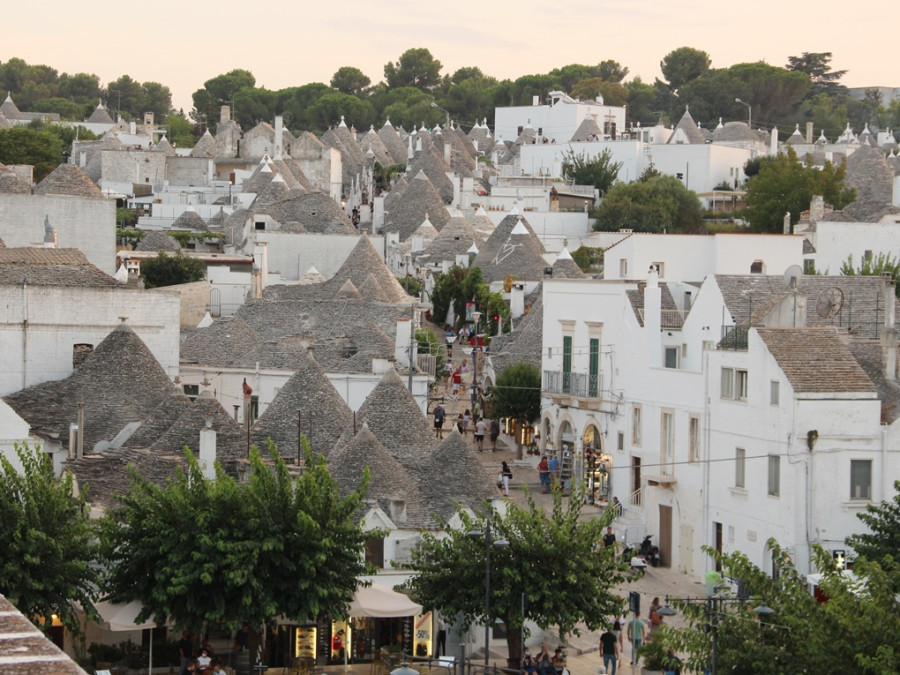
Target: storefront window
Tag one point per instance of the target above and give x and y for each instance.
(596, 464)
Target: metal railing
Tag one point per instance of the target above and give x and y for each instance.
(583, 385)
(636, 498)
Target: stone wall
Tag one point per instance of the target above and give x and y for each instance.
(189, 170)
(132, 166)
(86, 224)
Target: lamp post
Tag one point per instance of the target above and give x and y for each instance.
(489, 542)
(749, 111)
(435, 105)
(714, 606)
(475, 350)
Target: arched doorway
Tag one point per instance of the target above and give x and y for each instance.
(566, 452)
(596, 467)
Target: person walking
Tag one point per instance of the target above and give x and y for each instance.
(609, 648)
(480, 429)
(439, 414)
(544, 473)
(637, 632)
(506, 476)
(495, 434)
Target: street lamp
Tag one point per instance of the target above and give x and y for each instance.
(474, 397)
(489, 543)
(749, 111)
(435, 105)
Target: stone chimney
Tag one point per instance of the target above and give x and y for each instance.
(817, 208)
(279, 135)
(787, 222)
(517, 300)
(773, 142)
(653, 317)
(224, 114)
(402, 341)
(447, 152)
(398, 511)
(208, 451)
(809, 132)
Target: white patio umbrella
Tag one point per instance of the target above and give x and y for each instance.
(123, 617)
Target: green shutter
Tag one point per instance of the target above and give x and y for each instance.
(567, 363)
(594, 376)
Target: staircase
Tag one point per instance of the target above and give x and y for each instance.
(630, 527)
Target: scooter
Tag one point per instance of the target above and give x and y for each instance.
(649, 551)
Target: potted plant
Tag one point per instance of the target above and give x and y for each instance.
(655, 657)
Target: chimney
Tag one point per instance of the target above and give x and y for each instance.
(447, 152)
(208, 451)
(224, 114)
(787, 222)
(279, 135)
(889, 336)
(653, 317)
(132, 127)
(773, 143)
(516, 301)
(398, 511)
(402, 341)
(809, 132)
(73, 439)
(817, 208)
(79, 450)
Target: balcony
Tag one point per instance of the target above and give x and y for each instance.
(581, 385)
(670, 319)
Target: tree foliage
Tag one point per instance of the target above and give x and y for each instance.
(350, 80)
(170, 270)
(48, 542)
(657, 204)
(415, 68)
(836, 635)
(517, 393)
(783, 184)
(454, 288)
(817, 66)
(564, 590)
(883, 521)
(600, 171)
(201, 550)
(39, 147)
(684, 64)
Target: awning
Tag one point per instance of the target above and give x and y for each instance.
(117, 617)
(381, 601)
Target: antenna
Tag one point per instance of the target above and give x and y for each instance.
(829, 302)
(792, 276)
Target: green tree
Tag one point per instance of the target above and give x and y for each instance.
(201, 550)
(587, 258)
(219, 91)
(415, 68)
(785, 185)
(430, 344)
(180, 131)
(657, 204)
(330, 108)
(517, 393)
(563, 591)
(157, 99)
(170, 270)
(39, 147)
(683, 65)
(613, 93)
(350, 80)
(126, 96)
(296, 102)
(48, 542)
(883, 522)
(601, 171)
(641, 103)
(407, 107)
(83, 88)
(454, 288)
(611, 71)
(65, 108)
(817, 66)
(252, 105)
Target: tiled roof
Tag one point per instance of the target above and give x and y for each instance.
(456, 476)
(513, 248)
(189, 220)
(408, 210)
(315, 211)
(690, 129)
(588, 127)
(206, 146)
(456, 237)
(120, 383)
(391, 139)
(436, 168)
(25, 650)
(390, 482)
(307, 398)
(50, 267)
(565, 267)
(869, 355)
(815, 360)
(11, 183)
(68, 179)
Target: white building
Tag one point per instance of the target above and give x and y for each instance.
(761, 410)
(559, 120)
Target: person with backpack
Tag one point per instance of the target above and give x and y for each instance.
(439, 421)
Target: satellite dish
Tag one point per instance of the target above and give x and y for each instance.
(829, 302)
(792, 276)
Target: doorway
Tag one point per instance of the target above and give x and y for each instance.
(665, 536)
(717, 538)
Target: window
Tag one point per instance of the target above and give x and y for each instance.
(809, 266)
(867, 254)
(734, 384)
(667, 443)
(861, 479)
(693, 439)
(192, 391)
(671, 360)
(594, 368)
(636, 425)
(774, 475)
(756, 267)
(259, 225)
(740, 460)
(623, 268)
(774, 392)
(620, 441)
(727, 382)
(660, 269)
(567, 364)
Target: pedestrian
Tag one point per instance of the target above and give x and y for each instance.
(617, 507)
(553, 464)
(544, 473)
(495, 434)
(528, 665)
(609, 539)
(464, 374)
(459, 423)
(618, 626)
(456, 378)
(439, 414)
(185, 651)
(656, 619)
(637, 631)
(467, 417)
(448, 370)
(609, 648)
(480, 428)
(545, 662)
(505, 476)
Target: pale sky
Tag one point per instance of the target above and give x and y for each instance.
(183, 44)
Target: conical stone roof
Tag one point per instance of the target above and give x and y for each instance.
(436, 168)
(189, 220)
(11, 183)
(370, 142)
(259, 179)
(231, 439)
(9, 109)
(68, 179)
(164, 147)
(315, 211)
(416, 202)
(157, 240)
(455, 239)
(587, 129)
(100, 115)
(463, 479)
(309, 398)
(565, 267)
(393, 143)
(206, 146)
(689, 131)
(120, 383)
(276, 191)
(364, 262)
(390, 484)
(224, 343)
(512, 249)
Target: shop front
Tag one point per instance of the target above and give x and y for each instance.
(597, 468)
